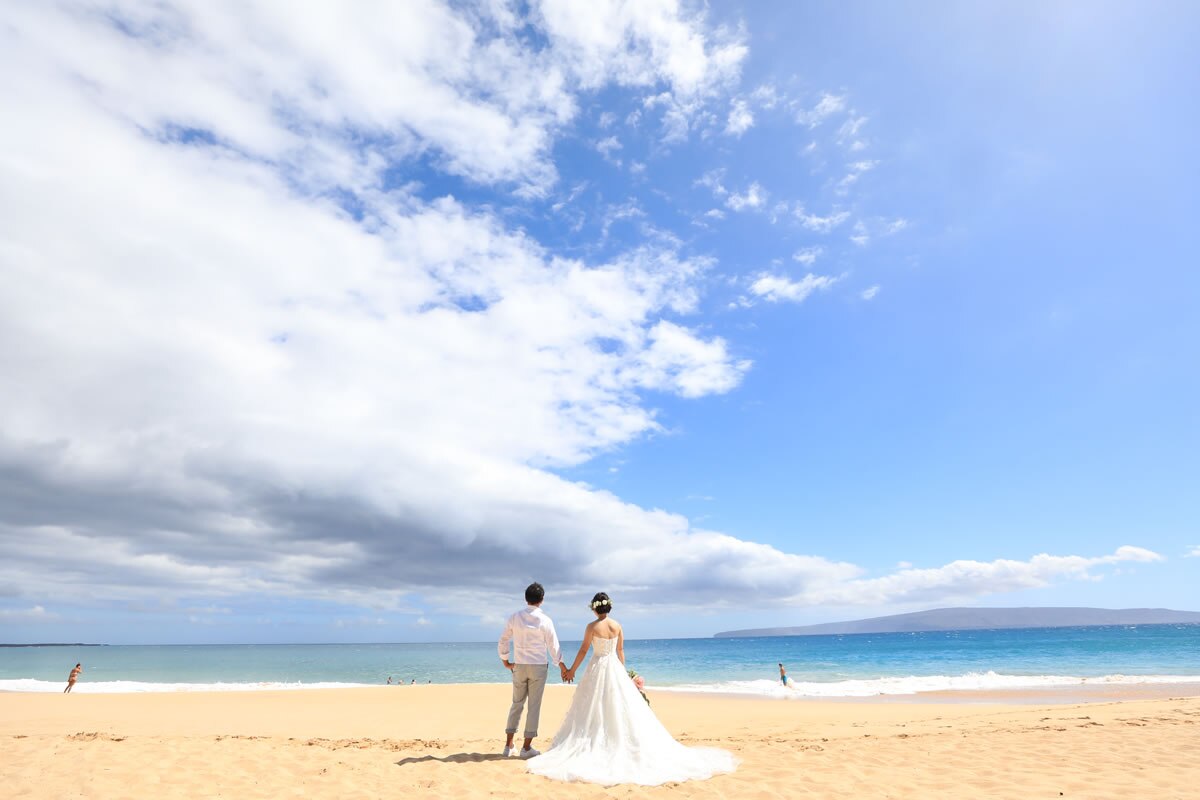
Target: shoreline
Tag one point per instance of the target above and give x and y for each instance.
(1056, 695)
(1016, 695)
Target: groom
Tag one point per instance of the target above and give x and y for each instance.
(533, 638)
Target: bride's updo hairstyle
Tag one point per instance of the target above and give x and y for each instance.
(601, 604)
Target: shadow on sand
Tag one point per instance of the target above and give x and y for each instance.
(457, 758)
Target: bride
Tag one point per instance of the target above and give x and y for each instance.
(610, 735)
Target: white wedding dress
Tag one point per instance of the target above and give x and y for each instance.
(611, 736)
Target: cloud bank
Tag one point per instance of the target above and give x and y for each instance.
(246, 355)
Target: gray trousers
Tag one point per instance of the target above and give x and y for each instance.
(529, 681)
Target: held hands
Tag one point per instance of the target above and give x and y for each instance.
(566, 674)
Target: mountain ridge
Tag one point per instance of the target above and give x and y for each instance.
(969, 618)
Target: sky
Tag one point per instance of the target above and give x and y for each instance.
(344, 322)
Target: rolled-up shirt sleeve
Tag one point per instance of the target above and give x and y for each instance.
(552, 644)
(505, 640)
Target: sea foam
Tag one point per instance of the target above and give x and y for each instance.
(875, 687)
(134, 687)
(916, 684)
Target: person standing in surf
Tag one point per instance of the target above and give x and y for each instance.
(74, 676)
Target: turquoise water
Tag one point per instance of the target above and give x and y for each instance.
(832, 666)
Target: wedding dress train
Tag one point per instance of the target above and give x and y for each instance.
(611, 736)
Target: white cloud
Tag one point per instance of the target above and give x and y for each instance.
(970, 579)
(607, 146)
(409, 78)
(807, 255)
(895, 226)
(676, 123)
(828, 106)
(678, 361)
(713, 180)
(233, 384)
(855, 171)
(571, 197)
(359, 622)
(870, 292)
(848, 134)
(860, 236)
(765, 96)
(635, 43)
(776, 288)
(778, 211)
(753, 198)
(741, 119)
(645, 44)
(487, 106)
(614, 214)
(1193, 553)
(34, 614)
(819, 224)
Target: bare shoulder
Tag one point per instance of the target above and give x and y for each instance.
(610, 627)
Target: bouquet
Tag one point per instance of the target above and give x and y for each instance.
(640, 683)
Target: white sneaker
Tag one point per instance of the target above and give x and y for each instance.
(507, 751)
(529, 752)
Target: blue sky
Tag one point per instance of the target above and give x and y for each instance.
(344, 325)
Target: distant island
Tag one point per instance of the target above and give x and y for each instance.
(53, 644)
(965, 619)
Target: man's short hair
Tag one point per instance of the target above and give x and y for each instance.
(534, 594)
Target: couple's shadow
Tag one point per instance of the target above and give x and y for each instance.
(456, 758)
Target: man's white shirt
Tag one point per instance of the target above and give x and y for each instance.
(532, 636)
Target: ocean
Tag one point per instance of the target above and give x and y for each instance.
(857, 665)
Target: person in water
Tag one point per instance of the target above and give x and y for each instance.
(783, 678)
(74, 676)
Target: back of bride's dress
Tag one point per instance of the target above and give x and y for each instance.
(610, 735)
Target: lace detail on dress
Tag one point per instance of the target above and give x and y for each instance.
(603, 647)
(610, 735)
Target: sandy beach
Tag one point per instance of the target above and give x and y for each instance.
(443, 741)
